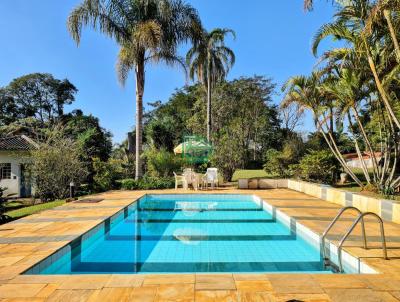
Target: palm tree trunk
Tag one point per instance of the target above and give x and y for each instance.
(359, 154)
(209, 103)
(332, 145)
(330, 119)
(368, 143)
(379, 85)
(139, 117)
(388, 18)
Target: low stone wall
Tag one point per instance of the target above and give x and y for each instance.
(262, 183)
(389, 210)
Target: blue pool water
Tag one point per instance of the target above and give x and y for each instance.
(188, 233)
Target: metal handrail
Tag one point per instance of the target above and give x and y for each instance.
(361, 217)
(333, 223)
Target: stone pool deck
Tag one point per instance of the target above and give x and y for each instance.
(27, 241)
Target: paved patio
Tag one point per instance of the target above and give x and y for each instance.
(31, 239)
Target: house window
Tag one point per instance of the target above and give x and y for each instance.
(5, 171)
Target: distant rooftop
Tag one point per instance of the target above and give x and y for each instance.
(17, 143)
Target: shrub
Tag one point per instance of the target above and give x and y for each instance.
(55, 164)
(319, 166)
(106, 173)
(3, 201)
(129, 184)
(279, 162)
(148, 183)
(161, 163)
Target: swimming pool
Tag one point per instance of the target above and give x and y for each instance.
(189, 233)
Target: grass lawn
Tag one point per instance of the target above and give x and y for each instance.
(25, 211)
(249, 174)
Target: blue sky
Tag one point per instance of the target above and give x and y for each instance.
(273, 39)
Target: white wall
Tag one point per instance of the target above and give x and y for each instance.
(356, 163)
(16, 159)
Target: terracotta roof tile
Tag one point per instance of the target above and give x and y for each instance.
(17, 143)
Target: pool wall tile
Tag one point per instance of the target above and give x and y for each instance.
(396, 212)
(350, 263)
(389, 210)
(243, 183)
(348, 199)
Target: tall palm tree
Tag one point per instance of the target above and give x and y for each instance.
(348, 89)
(386, 11)
(210, 61)
(380, 9)
(146, 30)
(349, 26)
(361, 81)
(307, 93)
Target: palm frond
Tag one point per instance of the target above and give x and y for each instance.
(336, 30)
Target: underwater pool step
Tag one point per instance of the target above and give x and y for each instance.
(201, 221)
(193, 238)
(203, 241)
(198, 211)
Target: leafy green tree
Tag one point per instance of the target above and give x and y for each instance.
(243, 118)
(146, 30)
(228, 153)
(167, 123)
(55, 164)
(247, 102)
(37, 95)
(210, 61)
(8, 108)
(93, 139)
(245, 122)
(279, 162)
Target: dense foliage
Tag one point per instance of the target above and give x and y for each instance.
(37, 95)
(93, 139)
(55, 164)
(318, 166)
(245, 122)
(167, 123)
(161, 163)
(147, 183)
(3, 201)
(106, 174)
(279, 162)
(35, 107)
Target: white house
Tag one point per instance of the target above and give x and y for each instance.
(14, 156)
(353, 161)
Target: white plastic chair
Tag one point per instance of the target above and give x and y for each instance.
(180, 180)
(191, 179)
(211, 177)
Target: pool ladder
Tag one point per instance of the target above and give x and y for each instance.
(359, 218)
